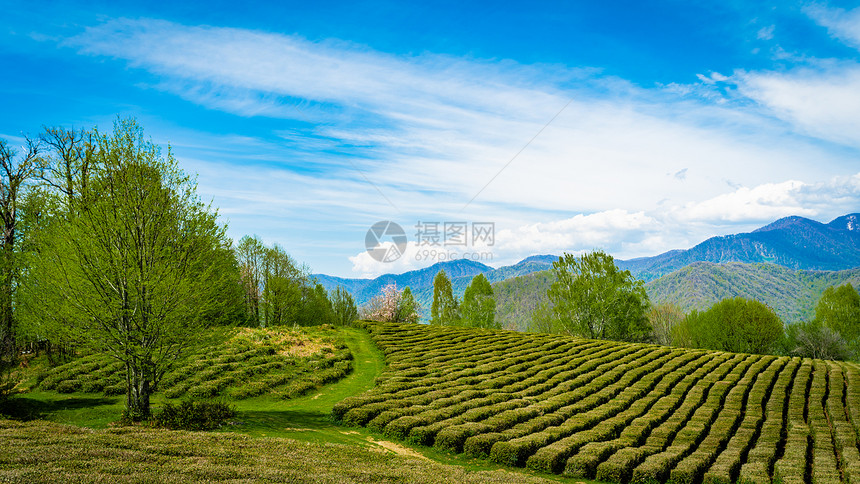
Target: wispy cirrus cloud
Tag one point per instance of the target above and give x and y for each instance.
(619, 168)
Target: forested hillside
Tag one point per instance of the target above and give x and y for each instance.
(791, 293)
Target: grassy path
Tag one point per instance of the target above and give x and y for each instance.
(307, 418)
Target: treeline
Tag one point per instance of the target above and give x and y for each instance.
(108, 248)
(277, 290)
(590, 297)
(476, 310)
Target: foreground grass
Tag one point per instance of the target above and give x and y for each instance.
(273, 440)
(40, 451)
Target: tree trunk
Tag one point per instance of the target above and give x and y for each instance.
(7, 329)
(139, 388)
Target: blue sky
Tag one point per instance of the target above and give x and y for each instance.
(635, 127)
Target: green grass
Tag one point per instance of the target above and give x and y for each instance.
(289, 440)
(39, 451)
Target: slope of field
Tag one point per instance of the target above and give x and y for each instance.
(242, 363)
(792, 294)
(45, 452)
(613, 411)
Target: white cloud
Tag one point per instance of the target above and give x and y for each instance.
(841, 24)
(766, 33)
(577, 233)
(770, 201)
(764, 202)
(429, 131)
(821, 102)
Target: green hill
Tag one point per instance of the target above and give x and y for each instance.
(791, 293)
(240, 363)
(618, 412)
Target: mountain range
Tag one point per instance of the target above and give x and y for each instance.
(793, 243)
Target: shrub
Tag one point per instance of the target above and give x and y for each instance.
(194, 415)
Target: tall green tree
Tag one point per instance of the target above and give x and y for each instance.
(284, 284)
(408, 308)
(736, 324)
(839, 309)
(663, 318)
(138, 267)
(478, 309)
(343, 306)
(593, 298)
(251, 256)
(15, 172)
(316, 307)
(444, 309)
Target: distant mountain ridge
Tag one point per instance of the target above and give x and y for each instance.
(461, 272)
(793, 242)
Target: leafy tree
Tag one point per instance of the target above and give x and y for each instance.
(15, 171)
(343, 306)
(737, 324)
(813, 340)
(543, 319)
(316, 307)
(139, 265)
(592, 298)
(478, 308)
(251, 255)
(283, 288)
(663, 318)
(444, 310)
(839, 310)
(408, 308)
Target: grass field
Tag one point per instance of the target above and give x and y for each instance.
(276, 440)
(46, 452)
(613, 411)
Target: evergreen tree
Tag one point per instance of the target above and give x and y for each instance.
(478, 308)
(444, 310)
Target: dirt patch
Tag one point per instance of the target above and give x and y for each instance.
(349, 432)
(316, 396)
(297, 429)
(397, 448)
(286, 342)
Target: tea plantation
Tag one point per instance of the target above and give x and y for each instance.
(613, 411)
(244, 363)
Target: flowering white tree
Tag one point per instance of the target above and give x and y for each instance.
(392, 306)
